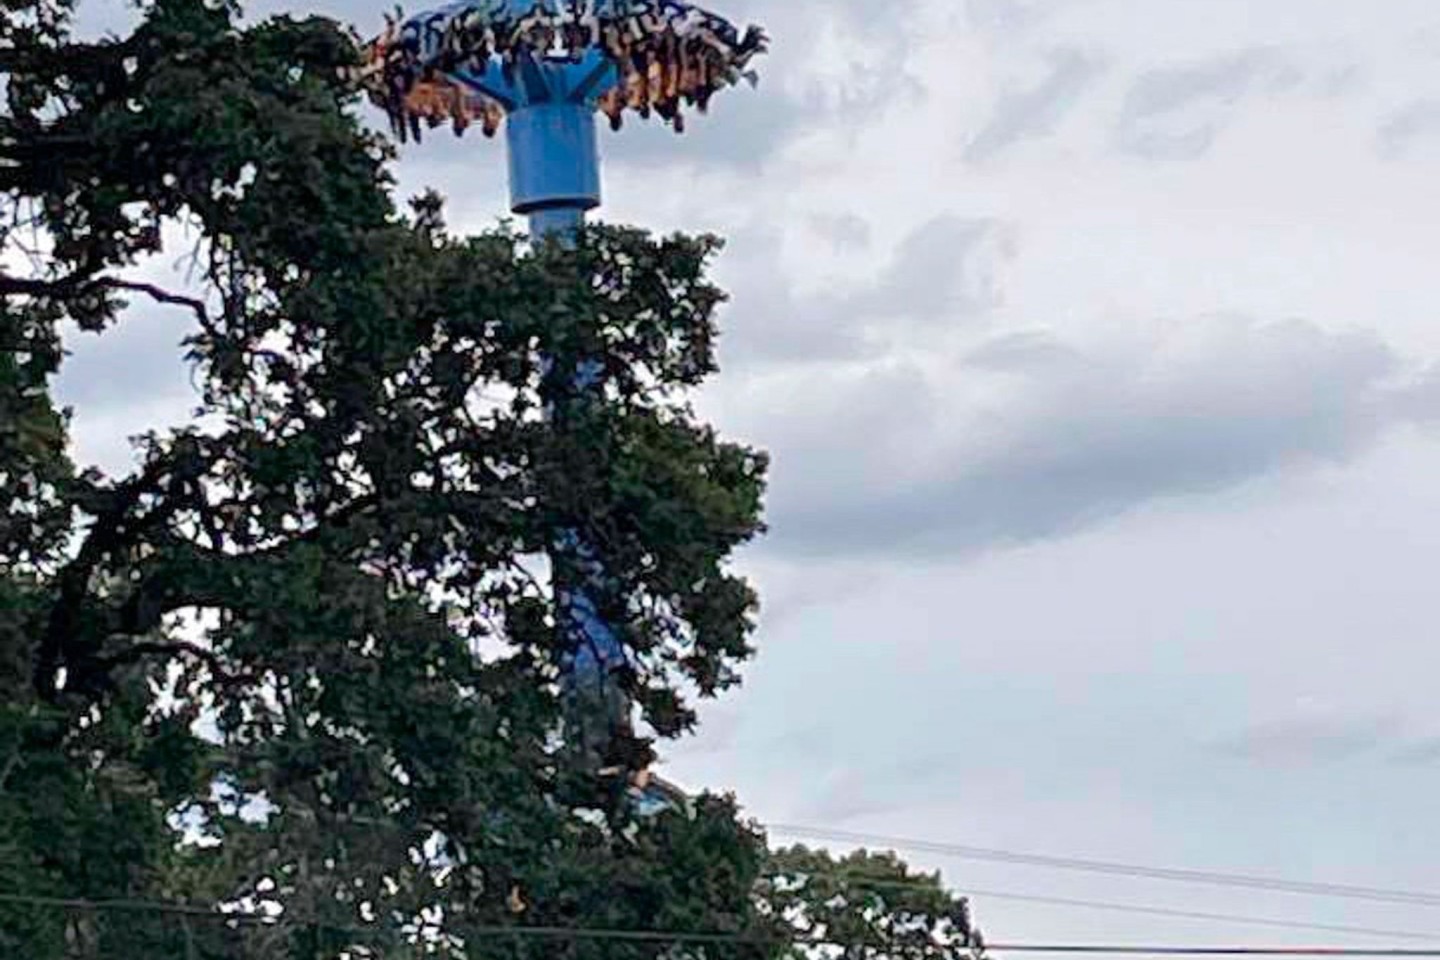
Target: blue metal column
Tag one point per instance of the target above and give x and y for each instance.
(554, 179)
(554, 161)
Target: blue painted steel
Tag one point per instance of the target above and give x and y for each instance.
(492, 83)
(554, 160)
(554, 157)
(554, 165)
(597, 653)
(562, 222)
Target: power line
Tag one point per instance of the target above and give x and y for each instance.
(1203, 951)
(690, 936)
(1208, 917)
(1175, 874)
(203, 911)
(1327, 889)
(860, 880)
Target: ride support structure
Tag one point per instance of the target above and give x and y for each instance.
(543, 69)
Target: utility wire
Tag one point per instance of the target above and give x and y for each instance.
(858, 881)
(1202, 951)
(687, 936)
(1175, 874)
(971, 892)
(1208, 917)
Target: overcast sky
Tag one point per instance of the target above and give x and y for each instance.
(1094, 344)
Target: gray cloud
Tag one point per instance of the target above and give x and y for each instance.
(744, 130)
(1408, 125)
(1340, 81)
(765, 320)
(888, 462)
(130, 379)
(943, 271)
(1309, 740)
(1419, 400)
(847, 794)
(133, 376)
(1424, 752)
(1037, 111)
(138, 357)
(999, 15)
(719, 731)
(121, 384)
(1175, 113)
(844, 231)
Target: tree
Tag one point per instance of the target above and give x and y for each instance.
(311, 635)
(863, 905)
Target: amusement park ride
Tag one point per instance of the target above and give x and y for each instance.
(543, 69)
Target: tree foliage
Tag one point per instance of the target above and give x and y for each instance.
(864, 904)
(299, 665)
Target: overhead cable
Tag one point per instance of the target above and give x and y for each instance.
(1174, 874)
(686, 936)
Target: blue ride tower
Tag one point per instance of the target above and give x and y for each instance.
(544, 69)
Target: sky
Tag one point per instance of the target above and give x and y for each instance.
(1093, 344)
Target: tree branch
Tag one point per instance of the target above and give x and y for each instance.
(19, 286)
(148, 648)
(161, 295)
(114, 529)
(80, 282)
(104, 537)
